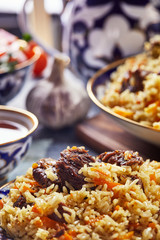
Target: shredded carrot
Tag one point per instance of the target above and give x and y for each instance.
(48, 223)
(37, 209)
(1, 204)
(134, 225)
(152, 108)
(15, 187)
(126, 204)
(110, 213)
(25, 188)
(152, 225)
(129, 155)
(116, 195)
(34, 165)
(126, 236)
(66, 236)
(153, 177)
(117, 207)
(124, 113)
(99, 171)
(156, 127)
(38, 223)
(94, 220)
(72, 233)
(34, 183)
(100, 181)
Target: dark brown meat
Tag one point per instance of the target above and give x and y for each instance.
(71, 161)
(118, 157)
(39, 173)
(20, 203)
(40, 176)
(60, 233)
(46, 162)
(134, 177)
(60, 209)
(134, 80)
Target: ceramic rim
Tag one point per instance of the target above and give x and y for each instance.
(25, 113)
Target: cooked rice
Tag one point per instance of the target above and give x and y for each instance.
(111, 205)
(143, 105)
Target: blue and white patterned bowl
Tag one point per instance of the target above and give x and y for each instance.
(12, 82)
(101, 31)
(12, 151)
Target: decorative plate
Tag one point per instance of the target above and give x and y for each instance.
(4, 190)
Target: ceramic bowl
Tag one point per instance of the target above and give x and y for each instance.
(16, 129)
(11, 82)
(99, 32)
(148, 134)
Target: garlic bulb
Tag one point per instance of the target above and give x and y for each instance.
(60, 100)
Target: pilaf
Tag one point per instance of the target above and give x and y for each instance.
(114, 196)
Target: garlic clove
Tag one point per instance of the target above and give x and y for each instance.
(61, 100)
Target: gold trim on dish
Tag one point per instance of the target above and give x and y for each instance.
(106, 109)
(7, 184)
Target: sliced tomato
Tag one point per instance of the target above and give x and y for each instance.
(29, 50)
(40, 64)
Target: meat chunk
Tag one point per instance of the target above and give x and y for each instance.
(39, 173)
(20, 203)
(71, 161)
(61, 210)
(133, 80)
(120, 158)
(134, 177)
(59, 233)
(41, 177)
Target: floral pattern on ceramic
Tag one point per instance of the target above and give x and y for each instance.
(101, 31)
(12, 153)
(4, 192)
(11, 83)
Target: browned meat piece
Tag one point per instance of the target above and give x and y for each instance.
(60, 233)
(66, 168)
(20, 203)
(71, 161)
(46, 162)
(134, 80)
(39, 173)
(40, 176)
(139, 181)
(60, 209)
(117, 157)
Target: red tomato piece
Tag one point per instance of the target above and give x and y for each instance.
(40, 64)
